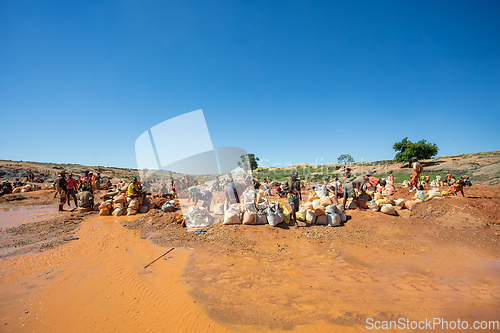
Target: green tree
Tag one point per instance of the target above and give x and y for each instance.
(248, 161)
(345, 158)
(406, 150)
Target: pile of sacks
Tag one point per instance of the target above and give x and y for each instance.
(376, 201)
(198, 217)
(320, 210)
(26, 188)
(390, 207)
(168, 205)
(254, 209)
(421, 196)
(383, 204)
(272, 213)
(118, 204)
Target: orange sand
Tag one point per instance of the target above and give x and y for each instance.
(98, 284)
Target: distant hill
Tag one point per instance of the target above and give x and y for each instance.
(18, 169)
(483, 167)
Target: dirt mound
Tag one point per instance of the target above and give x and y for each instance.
(481, 202)
(432, 209)
(159, 202)
(165, 230)
(154, 220)
(39, 236)
(486, 209)
(13, 197)
(401, 193)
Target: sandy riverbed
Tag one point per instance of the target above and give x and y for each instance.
(441, 261)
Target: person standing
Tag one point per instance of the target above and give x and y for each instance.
(448, 178)
(294, 196)
(85, 180)
(248, 180)
(62, 187)
(266, 188)
(416, 170)
(390, 178)
(98, 181)
(216, 184)
(72, 189)
(92, 181)
(231, 194)
(173, 185)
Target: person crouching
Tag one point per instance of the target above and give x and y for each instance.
(84, 200)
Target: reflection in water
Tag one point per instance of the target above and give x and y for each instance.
(15, 215)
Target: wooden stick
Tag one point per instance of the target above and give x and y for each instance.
(159, 257)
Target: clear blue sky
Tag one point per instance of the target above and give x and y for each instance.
(290, 81)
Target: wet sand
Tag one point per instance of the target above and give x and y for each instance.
(98, 283)
(345, 284)
(260, 278)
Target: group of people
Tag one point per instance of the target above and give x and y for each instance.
(170, 188)
(354, 188)
(80, 190)
(450, 180)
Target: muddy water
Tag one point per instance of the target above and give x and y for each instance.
(12, 215)
(302, 289)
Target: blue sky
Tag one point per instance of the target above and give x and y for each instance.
(290, 81)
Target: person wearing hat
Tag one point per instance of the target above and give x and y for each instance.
(62, 187)
(348, 173)
(294, 196)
